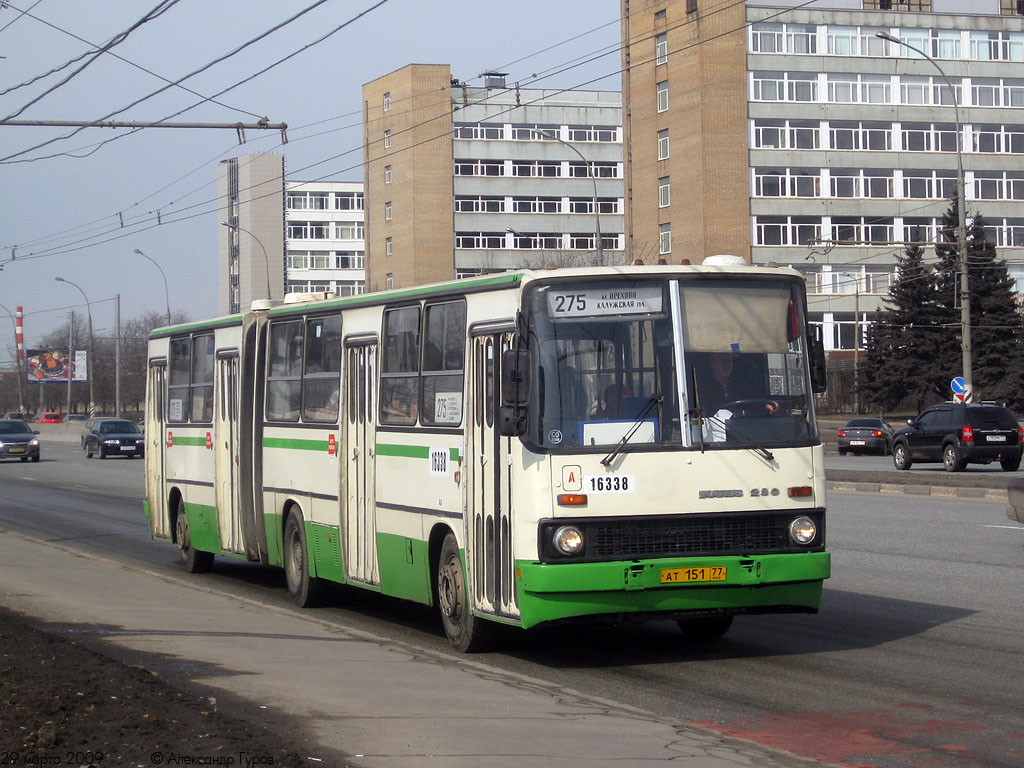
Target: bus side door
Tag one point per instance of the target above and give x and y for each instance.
(489, 556)
(226, 453)
(156, 446)
(359, 521)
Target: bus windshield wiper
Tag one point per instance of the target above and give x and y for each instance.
(651, 402)
(750, 445)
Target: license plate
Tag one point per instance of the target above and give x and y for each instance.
(127, 447)
(16, 449)
(856, 442)
(997, 438)
(699, 573)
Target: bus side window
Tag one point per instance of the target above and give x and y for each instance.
(321, 380)
(284, 377)
(399, 375)
(444, 352)
(202, 379)
(178, 380)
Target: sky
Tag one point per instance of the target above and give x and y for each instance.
(77, 206)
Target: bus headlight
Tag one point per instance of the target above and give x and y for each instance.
(568, 540)
(802, 530)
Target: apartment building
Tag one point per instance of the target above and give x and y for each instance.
(463, 179)
(278, 237)
(326, 249)
(790, 132)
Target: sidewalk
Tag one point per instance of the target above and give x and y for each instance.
(383, 703)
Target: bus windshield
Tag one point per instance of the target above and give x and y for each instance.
(606, 365)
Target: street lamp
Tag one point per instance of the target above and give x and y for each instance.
(91, 369)
(593, 180)
(266, 258)
(17, 361)
(961, 234)
(167, 295)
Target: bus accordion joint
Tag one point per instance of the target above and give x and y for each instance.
(572, 499)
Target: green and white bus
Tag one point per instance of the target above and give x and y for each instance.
(519, 448)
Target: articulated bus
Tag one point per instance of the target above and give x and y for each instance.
(518, 448)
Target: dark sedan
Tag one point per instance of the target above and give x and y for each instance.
(18, 440)
(865, 434)
(113, 437)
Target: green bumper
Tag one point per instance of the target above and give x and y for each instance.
(764, 583)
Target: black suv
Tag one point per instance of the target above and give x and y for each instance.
(958, 435)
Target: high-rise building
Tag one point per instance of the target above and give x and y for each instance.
(250, 252)
(461, 180)
(281, 237)
(325, 237)
(788, 131)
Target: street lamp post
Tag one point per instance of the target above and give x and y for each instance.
(593, 180)
(17, 361)
(167, 295)
(266, 258)
(92, 348)
(961, 235)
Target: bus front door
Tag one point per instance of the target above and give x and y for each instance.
(489, 557)
(359, 519)
(156, 489)
(226, 453)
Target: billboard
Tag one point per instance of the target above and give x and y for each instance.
(52, 366)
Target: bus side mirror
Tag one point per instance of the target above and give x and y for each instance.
(819, 379)
(515, 392)
(515, 377)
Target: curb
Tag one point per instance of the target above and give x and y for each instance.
(940, 491)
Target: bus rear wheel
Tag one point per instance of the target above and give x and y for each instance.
(703, 629)
(194, 560)
(466, 632)
(307, 591)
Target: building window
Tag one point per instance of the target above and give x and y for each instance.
(479, 204)
(664, 192)
(387, 101)
(387, 138)
(661, 49)
(388, 249)
(349, 230)
(348, 201)
(387, 174)
(691, 6)
(663, 144)
(387, 211)
(663, 96)
(766, 38)
(490, 131)
(664, 238)
(390, 281)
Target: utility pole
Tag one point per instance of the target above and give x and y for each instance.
(117, 355)
(69, 363)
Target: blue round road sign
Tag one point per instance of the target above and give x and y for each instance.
(958, 385)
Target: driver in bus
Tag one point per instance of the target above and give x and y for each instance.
(720, 382)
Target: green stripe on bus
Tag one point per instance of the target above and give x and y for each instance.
(294, 444)
(171, 330)
(177, 440)
(412, 451)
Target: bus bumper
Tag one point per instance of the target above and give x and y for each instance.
(757, 584)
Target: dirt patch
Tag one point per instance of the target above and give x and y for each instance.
(63, 701)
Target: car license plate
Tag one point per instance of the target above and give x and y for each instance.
(856, 442)
(127, 447)
(997, 438)
(699, 573)
(17, 449)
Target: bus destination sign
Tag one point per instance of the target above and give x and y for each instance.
(598, 302)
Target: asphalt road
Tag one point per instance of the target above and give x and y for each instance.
(916, 659)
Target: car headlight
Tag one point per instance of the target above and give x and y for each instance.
(34, 442)
(110, 442)
(802, 530)
(568, 540)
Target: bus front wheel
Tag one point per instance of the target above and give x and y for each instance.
(306, 590)
(194, 560)
(466, 632)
